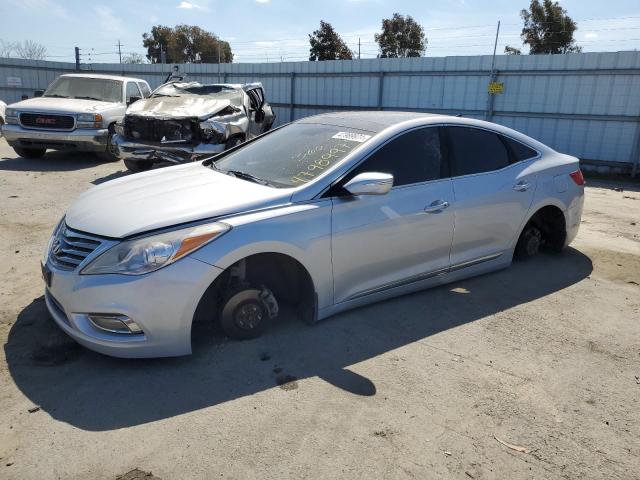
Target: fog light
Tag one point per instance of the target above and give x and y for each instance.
(114, 323)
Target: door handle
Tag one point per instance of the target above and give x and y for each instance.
(521, 186)
(436, 206)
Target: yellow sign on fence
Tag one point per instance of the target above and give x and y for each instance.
(496, 87)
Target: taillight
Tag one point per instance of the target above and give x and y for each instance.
(577, 177)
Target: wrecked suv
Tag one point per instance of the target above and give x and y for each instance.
(182, 122)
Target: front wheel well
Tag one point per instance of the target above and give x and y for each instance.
(284, 276)
(552, 225)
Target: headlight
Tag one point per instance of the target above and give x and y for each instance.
(89, 120)
(144, 255)
(11, 115)
(213, 131)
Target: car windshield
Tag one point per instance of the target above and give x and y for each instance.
(293, 155)
(100, 89)
(175, 89)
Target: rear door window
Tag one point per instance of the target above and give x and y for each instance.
(414, 157)
(474, 150)
(519, 151)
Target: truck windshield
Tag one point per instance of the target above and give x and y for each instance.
(293, 155)
(100, 89)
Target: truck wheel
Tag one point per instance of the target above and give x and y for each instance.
(138, 165)
(111, 154)
(30, 152)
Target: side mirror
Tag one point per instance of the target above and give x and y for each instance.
(133, 99)
(370, 183)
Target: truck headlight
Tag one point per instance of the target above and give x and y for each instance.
(89, 120)
(144, 255)
(11, 116)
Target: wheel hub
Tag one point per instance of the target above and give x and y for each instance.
(248, 315)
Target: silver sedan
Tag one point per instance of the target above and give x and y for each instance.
(327, 213)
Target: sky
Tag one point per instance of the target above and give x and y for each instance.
(277, 30)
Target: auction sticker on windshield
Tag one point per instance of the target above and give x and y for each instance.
(353, 137)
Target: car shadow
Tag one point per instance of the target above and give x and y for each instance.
(53, 161)
(111, 176)
(95, 392)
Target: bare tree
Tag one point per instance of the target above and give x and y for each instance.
(7, 48)
(134, 57)
(30, 50)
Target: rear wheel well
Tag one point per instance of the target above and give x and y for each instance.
(284, 276)
(552, 225)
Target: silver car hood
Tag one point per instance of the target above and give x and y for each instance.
(166, 197)
(184, 106)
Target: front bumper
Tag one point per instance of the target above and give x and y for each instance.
(80, 139)
(162, 303)
(174, 153)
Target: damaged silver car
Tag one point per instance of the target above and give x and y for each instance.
(182, 122)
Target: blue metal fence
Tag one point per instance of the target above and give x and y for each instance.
(585, 104)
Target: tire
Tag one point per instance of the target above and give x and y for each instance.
(30, 152)
(232, 142)
(244, 314)
(111, 154)
(529, 243)
(138, 165)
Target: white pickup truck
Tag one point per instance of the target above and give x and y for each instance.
(77, 112)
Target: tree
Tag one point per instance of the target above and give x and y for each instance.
(512, 50)
(185, 44)
(326, 44)
(548, 28)
(28, 49)
(134, 58)
(401, 37)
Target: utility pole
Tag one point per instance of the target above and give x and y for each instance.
(358, 48)
(77, 58)
(492, 78)
(119, 50)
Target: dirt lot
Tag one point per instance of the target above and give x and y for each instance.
(447, 383)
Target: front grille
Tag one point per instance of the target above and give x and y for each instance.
(47, 121)
(70, 248)
(155, 130)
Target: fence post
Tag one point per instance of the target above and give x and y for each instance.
(292, 95)
(380, 90)
(492, 96)
(635, 152)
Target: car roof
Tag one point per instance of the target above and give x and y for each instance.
(99, 75)
(370, 120)
(376, 121)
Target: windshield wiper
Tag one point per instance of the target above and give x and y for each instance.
(90, 98)
(247, 176)
(163, 95)
(55, 95)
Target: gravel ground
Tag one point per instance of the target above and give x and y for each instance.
(531, 372)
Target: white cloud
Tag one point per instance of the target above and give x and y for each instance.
(590, 35)
(107, 21)
(190, 6)
(263, 1)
